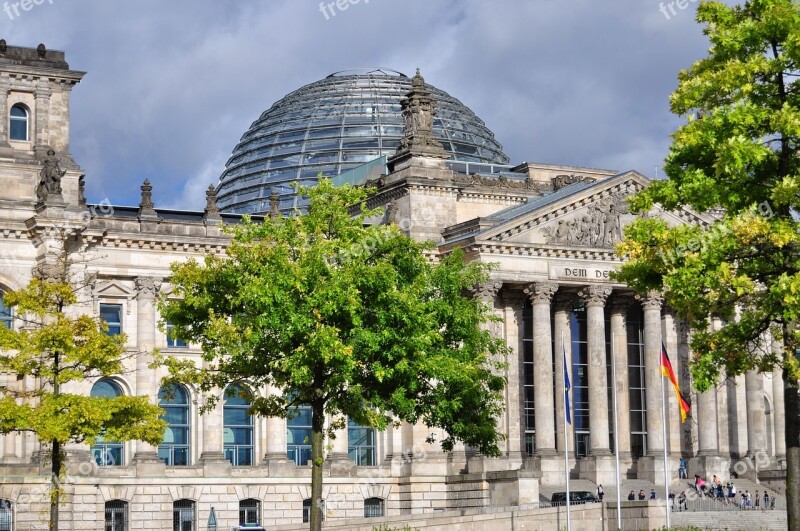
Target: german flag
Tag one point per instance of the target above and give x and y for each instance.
(667, 372)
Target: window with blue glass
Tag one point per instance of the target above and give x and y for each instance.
(237, 426)
(172, 341)
(580, 381)
(636, 388)
(528, 415)
(107, 453)
(18, 126)
(298, 436)
(174, 449)
(6, 317)
(111, 314)
(361, 444)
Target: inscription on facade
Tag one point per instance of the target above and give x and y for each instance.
(588, 273)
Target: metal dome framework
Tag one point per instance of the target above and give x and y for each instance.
(334, 125)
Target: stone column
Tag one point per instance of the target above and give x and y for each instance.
(275, 447)
(338, 459)
(541, 293)
(651, 304)
(146, 379)
(670, 336)
(563, 308)
(512, 317)
(756, 418)
(212, 456)
(595, 297)
(619, 334)
(778, 409)
(42, 115)
(4, 110)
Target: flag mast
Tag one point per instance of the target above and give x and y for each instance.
(566, 421)
(664, 429)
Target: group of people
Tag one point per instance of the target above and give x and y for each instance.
(632, 495)
(728, 494)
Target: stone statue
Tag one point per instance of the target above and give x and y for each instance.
(599, 226)
(50, 177)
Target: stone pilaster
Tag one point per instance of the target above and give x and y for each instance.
(619, 334)
(212, 456)
(338, 460)
(651, 304)
(4, 110)
(541, 293)
(512, 317)
(275, 447)
(756, 418)
(41, 116)
(147, 289)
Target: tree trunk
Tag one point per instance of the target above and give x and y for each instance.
(790, 398)
(55, 494)
(317, 441)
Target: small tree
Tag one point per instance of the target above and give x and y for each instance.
(345, 318)
(56, 350)
(737, 152)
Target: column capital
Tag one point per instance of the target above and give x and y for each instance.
(487, 291)
(652, 300)
(147, 287)
(541, 292)
(595, 295)
(619, 304)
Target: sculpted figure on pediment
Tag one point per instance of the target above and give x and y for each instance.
(598, 226)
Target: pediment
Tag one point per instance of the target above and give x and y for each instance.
(581, 215)
(113, 289)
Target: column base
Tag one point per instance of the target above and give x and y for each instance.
(600, 469)
(278, 465)
(215, 464)
(651, 468)
(480, 464)
(340, 465)
(551, 469)
(707, 466)
(148, 464)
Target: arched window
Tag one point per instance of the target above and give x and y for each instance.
(360, 444)
(6, 317)
(116, 515)
(107, 453)
(183, 516)
(18, 126)
(174, 449)
(298, 436)
(6, 515)
(249, 512)
(237, 426)
(373, 507)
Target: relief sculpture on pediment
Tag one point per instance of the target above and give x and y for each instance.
(600, 225)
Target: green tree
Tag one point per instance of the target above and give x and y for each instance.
(349, 319)
(736, 157)
(57, 351)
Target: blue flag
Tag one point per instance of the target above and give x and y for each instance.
(567, 385)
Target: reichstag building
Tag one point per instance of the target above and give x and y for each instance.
(442, 176)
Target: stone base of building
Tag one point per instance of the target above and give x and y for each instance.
(708, 466)
(601, 469)
(651, 468)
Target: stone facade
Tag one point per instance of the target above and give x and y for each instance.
(549, 228)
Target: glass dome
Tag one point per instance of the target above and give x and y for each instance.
(332, 126)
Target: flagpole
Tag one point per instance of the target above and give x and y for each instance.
(566, 446)
(664, 429)
(616, 429)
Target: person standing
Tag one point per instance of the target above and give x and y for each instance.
(652, 494)
(641, 494)
(682, 469)
(631, 496)
(757, 501)
(766, 500)
(600, 492)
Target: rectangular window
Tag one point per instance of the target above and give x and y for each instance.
(6, 317)
(112, 315)
(172, 341)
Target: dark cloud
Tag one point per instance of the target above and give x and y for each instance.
(171, 86)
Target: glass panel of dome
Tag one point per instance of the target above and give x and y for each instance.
(319, 145)
(361, 130)
(325, 132)
(282, 149)
(359, 143)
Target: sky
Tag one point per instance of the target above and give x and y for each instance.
(171, 86)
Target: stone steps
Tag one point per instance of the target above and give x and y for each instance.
(732, 521)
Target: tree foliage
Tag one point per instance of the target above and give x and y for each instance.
(350, 319)
(56, 352)
(736, 159)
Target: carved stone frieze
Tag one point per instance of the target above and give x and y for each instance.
(597, 226)
(595, 295)
(147, 286)
(501, 182)
(541, 292)
(560, 181)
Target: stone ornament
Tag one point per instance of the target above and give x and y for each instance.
(147, 286)
(146, 207)
(595, 295)
(501, 181)
(391, 212)
(50, 177)
(274, 205)
(598, 226)
(487, 291)
(653, 300)
(560, 181)
(419, 108)
(41, 51)
(541, 292)
(211, 211)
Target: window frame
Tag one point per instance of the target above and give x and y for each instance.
(186, 406)
(108, 448)
(295, 451)
(112, 326)
(18, 119)
(177, 510)
(234, 457)
(244, 510)
(7, 509)
(370, 504)
(6, 313)
(116, 506)
(173, 342)
(360, 449)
